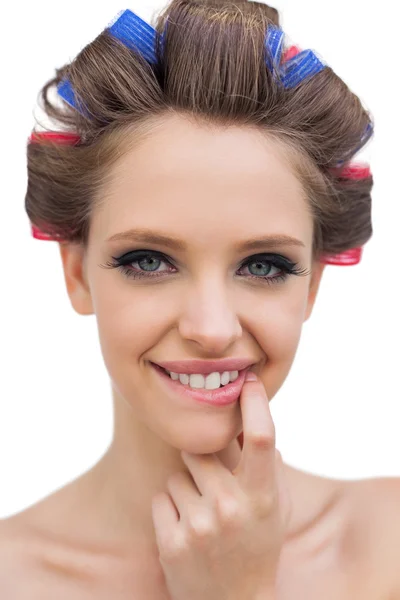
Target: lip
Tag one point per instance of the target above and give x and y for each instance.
(223, 396)
(206, 366)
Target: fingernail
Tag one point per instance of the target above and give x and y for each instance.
(250, 376)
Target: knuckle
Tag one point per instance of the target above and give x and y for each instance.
(261, 440)
(228, 509)
(200, 525)
(173, 550)
(266, 504)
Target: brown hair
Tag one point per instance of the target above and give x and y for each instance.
(212, 69)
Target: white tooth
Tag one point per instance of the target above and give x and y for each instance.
(225, 378)
(233, 375)
(174, 376)
(196, 381)
(213, 381)
(184, 378)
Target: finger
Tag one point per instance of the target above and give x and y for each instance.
(183, 491)
(165, 519)
(209, 473)
(256, 469)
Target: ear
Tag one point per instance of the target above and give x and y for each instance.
(317, 270)
(73, 259)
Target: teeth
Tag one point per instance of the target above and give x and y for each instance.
(225, 378)
(233, 375)
(213, 381)
(196, 381)
(209, 382)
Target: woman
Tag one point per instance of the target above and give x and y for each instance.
(202, 185)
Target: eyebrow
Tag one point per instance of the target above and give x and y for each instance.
(153, 237)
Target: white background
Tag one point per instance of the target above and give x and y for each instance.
(338, 412)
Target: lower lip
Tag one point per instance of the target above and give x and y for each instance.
(223, 396)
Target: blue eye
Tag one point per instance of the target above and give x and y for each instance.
(262, 268)
(263, 263)
(147, 261)
(144, 264)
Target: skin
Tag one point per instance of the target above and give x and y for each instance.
(211, 188)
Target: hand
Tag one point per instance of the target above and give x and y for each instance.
(220, 533)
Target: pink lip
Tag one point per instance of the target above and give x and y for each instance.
(219, 397)
(206, 366)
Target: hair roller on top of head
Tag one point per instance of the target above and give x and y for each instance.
(138, 35)
(290, 67)
(295, 66)
(131, 30)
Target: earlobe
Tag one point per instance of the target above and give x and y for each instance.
(73, 261)
(318, 269)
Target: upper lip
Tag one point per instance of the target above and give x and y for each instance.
(206, 366)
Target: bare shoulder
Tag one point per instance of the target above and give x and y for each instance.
(33, 565)
(11, 543)
(13, 558)
(375, 527)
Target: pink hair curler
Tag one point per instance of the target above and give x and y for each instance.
(61, 137)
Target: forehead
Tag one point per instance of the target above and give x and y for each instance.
(186, 173)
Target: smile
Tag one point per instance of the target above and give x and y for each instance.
(197, 381)
(221, 395)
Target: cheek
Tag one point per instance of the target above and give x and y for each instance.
(278, 331)
(130, 322)
(277, 323)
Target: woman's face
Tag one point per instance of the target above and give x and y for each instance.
(209, 293)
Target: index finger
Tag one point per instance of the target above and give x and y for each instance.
(256, 468)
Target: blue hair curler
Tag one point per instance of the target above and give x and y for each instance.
(369, 130)
(131, 30)
(292, 72)
(274, 44)
(138, 35)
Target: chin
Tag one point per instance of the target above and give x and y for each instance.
(206, 445)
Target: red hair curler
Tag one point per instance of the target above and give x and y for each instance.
(355, 171)
(350, 257)
(39, 235)
(61, 137)
(290, 53)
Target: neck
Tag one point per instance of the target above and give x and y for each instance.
(137, 465)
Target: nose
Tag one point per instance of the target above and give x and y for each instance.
(207, 318)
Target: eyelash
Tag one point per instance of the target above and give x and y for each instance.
(288, 267)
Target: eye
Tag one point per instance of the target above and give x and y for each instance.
(147, 261)
(260, 267)
(151, 264)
